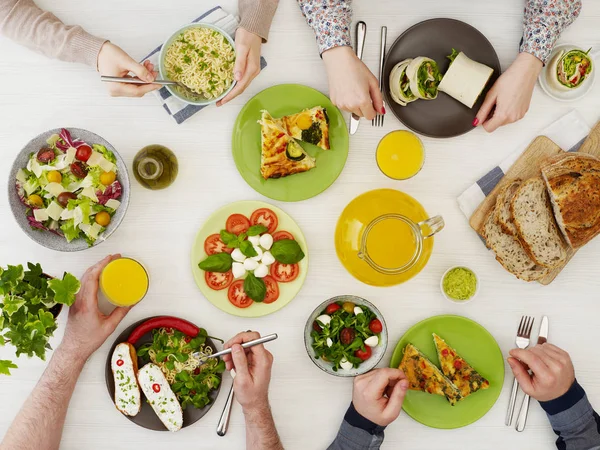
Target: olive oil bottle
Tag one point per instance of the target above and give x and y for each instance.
(155, 167)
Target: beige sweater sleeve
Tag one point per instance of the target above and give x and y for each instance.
(256, 16)
(25, 23)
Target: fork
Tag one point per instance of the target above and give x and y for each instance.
(522, 342)
(378, 120)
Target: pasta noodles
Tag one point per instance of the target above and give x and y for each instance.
(201, 59)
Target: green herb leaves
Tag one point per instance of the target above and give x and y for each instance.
(247, 249)
(231, 240)
(220, 262)
(287, 251)
(256, 230)
(65, 289)
(255, 288)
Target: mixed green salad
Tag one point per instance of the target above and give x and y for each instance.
(344, 334)
(70, 188)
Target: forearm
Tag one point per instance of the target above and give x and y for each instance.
(25, 23)
(256, 16)
(330, 20)
(357, 433)
(261, 433)
(574, 420)
(39, 423)
(543, 22)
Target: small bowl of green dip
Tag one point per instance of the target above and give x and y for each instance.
(459, 284)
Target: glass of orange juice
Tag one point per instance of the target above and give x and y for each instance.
(124, 282)
(400, 155)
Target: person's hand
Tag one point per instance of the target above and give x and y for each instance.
(247, 62)
(378, 395)
(252, 371)
(87, 327)
(352, 86)
(113, 61)
(510, 94)
(553, 372)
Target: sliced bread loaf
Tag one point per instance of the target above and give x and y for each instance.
(503, 201)
(534, 220)
(509, 251)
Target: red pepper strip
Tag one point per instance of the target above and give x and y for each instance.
(163, 322)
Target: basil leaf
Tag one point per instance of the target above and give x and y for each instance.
(255, 230)
(287, 251)
(247, 249)
(241, 237)
(229, 239)
(255, 288)
(220, 262)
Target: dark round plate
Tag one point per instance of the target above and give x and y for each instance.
(146, 417)
(435, 38)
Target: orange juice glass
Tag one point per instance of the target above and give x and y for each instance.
(400, 155)
(124, 282)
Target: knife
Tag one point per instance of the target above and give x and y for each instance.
(522, 417)
(361, 33)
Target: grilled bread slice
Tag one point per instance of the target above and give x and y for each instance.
(503, 216)
(534, 220)
(124, 368)
(160, 396)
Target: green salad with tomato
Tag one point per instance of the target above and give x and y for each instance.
(344, 334)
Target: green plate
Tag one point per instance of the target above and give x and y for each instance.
(281, 100)
(214, 224)
(477, 346)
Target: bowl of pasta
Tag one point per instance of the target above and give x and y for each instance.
(200, 57)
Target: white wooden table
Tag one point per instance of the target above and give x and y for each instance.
(37, 94)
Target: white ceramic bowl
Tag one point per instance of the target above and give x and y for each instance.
(453, 300)
(163, 72)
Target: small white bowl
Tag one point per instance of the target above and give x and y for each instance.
(453, 300)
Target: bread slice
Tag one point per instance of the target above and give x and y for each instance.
(534, 220)
(124, 368)
(503, 201)
(573, 182)
(160, 396)
(509, 251)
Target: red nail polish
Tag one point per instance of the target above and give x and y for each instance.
(475, 122)
(383, 109)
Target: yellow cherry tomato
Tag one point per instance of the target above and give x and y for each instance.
(304, 121)
(103, 218)
(348, 307)
(54, 176)
(108, 178)
(35, 200)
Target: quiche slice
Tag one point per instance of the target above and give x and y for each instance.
(459, 371)
(310, 125)
(281, 155)
(424, 376)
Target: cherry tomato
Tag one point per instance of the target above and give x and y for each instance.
(347, 335)
(237, 224)
(54, 176)
(79, 169)
(156, 387)
(218, 281)
(108, 178)
(120, 362)
(457, 364)
(363, 355)
(279, 235)
(332, 308)
(266, 217)
(103, 218)
(317, 327)
(45, 155)
(213, 245)
(64, 197)
(237, 296)
(348, 307)
(375, 326)
(272, 289)
(192, 392)
(83, 153)
(284, 273)
(187, 339)
(197, 371)
(445, 352)
(35, 200)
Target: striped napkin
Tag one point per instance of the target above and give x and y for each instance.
(568, 133)
(177, 109)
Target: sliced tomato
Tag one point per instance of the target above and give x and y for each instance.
(266, 217)
(279, 235)
(213, 245)
(272, 289)
(218, 281)
(237, 224)
(284, 273)
(363, 355)
(237, 296)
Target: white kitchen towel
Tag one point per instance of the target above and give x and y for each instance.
(568, 133)
(177, 109)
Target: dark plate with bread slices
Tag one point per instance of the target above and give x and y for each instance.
(146, 417)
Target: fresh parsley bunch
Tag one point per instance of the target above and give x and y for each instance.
(26, 300)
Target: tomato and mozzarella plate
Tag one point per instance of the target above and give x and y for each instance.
(160, 396)
(127, 391)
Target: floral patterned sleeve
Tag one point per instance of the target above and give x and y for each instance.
(330, 20)
(543, 22)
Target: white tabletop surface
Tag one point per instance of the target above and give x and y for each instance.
(37, 94)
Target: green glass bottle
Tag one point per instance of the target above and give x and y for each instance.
(155, 167)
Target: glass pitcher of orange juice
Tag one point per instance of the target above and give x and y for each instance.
(124, 282)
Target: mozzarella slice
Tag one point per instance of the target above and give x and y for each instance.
(255, 240)
(266, 241)
(54, 211)
(261, 271)
(345, 364)
(324, 319)
(55, 189)
(267, 258)
(238, 256)
(41, 215)
(127, 390)
(372, 341)
(90, 193)
(160, 396)
(250, 264)
(329, 342)
(238, 270)
(112, 203)
(357, 310)
(259, 253)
